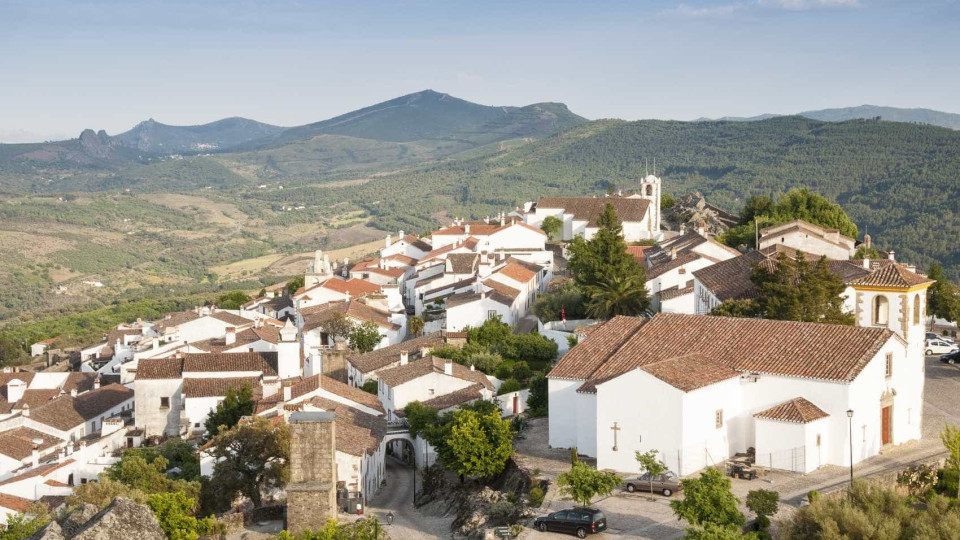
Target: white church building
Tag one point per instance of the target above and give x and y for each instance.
(700, 389)
(638, 212)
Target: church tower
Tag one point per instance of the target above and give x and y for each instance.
(318, 271)
(288, 352)
(650, 190)
(895, 298)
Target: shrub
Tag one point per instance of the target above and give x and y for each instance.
(509, 385)
(370, 387)
(503, 512)
(521, 371)
(536, 496)
(947, 482)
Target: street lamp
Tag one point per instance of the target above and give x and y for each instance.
(850, 421)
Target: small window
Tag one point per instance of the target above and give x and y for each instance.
(83, 481)
(491, 314)
(164, 403)
(916, 309)
(881, 311)
(889, 369)
(719, 418)
(196, 424)
(818, 440)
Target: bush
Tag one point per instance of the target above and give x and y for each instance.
(370, 387)
(536, 496)
(537, 400)
(509, 385)
(521, 371)
(947, 482)
(504, 371)
(503, 513)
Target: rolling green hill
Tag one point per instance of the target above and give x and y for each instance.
(867, 112)
(153, 137)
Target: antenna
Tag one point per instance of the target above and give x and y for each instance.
(654, 165)
(645, 171)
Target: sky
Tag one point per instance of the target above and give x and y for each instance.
(109, 64)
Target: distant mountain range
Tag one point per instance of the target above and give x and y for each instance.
(863, 112)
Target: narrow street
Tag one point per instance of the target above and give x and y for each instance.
(397, 497)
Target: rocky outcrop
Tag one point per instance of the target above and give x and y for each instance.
(96, 144)
(122, 520)
(692, 210)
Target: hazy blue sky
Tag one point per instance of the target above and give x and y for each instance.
(71, 64)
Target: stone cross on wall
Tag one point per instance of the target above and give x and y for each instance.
(615, 429)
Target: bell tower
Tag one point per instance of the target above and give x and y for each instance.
(650, 190)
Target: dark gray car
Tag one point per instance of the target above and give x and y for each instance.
(667, 483)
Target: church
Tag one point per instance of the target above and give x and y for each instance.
(700, 389)
(639, 212)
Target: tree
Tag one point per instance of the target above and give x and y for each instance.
(618, 295)
(179, 454)
(236, 404)
(371, 387)
(582, 483)
(337, 325)
(134, 471)
(25, 524)
(232, 300)
(102, 492)
(568, 302)
(712, 531)
(479, 445)
(798, 203)
(415, 326)
(420, 417)
(252, 456)
(651, 464)
(708, 499)
(538, 398)
(950, 436)
(667, 201)
(295, 284)
(174, 514)
(365, 337)
(552, 226)
(604, 256)
(764, 503)
(507, 386)
(942, 298)
(795, 290)
(737, 308)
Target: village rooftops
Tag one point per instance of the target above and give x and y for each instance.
(463, 263)
(43, 387)
(380, 358)
(396, 376)
(690, 372)
(500, 288)
(589, 209)
(466, 298)
(519, 270)
(18, 443)
(12, 502)
(263, 362)
(454, 399)
(218, 386)
(67, 412)
(797, 410)
(315, 316)
(305, 385)
(793, 349)
(268, 333)
(159, 368)
(893, 276)
(354, 286)
(357, 432)
(826, 234)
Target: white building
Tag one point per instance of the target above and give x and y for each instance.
(425, 379)
(639, 213)
(809, 238)
(699, 388)
(670, 268)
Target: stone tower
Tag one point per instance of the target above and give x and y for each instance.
(312, 491)
(318, 271)
(650, 190)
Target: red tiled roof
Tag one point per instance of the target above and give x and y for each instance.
(690, 372)
(265, 362)
(892, 275)
(334, 386)
(17, 504)
(380, 358)
(453, 399)
(231, 318)
(159, 368)
(42, 470)
(602, 341)
(357, 432)
(637, 252)
(590, 208)
(17, 443)
(797, 410)
(353, 287)
(67, 412)
(477, 228)
(518, 272)
(396, 376)
(217, 386)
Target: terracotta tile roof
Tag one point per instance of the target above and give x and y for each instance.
(416, 242)
(690, 372)
(463, 263)
(218, 386)
(231, 318)
(270, 334)
(175, 319)
(518, 223)
(672, 264)
(825, 234)
(336, 387)
(675, 292)
(403, 259)
(380, 358)
(35, 398)
(315, 316)
(892, 275)
(437, 253)
(730, 279)
(522, 273)
(603, 341)
(429, 294)
(453, 399)
(787, 348)
(265, 362)
(357, 432)
(354, 287)
(590, 208)
(42, 470)
(12, 502)
(17, 443)
(467, 298)
(280, 302)
(159, 368)
(505, 290)
(67, 412)
(797, 410)
(396, 376)
(637, 252)
(477, 228)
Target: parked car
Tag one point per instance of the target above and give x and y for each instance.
(939, 346)
(667, 483)
(951, 357)
(934, 335)
(579, 521)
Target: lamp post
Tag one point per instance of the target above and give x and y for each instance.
(850, 421)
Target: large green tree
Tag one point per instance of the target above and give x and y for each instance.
(603, 257)
(798, 203)
(942, 298)
(796, 290)
(708, 500)
(252, 456)
(478, 445)
(236, 404)
(624, 294)
(365, 336)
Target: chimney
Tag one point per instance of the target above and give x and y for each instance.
(404, 358)
(466, 228)
(424, 352)
(231, 336)
(35, 453)
(26, 409)
(891, 255)
(388, 241)
(683, 229)
(15, 390)
(73, 392)
(486, 219)
(96, 383)
(448, 368)
(867, 241)
(866, 263)
(472, 368)
(401, 235)
(702, 229)
(673, 253)
(155, 343)
(287, 393)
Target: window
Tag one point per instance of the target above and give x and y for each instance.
(916, 309)
(649, 191)
(718, 416)
(196, 424)
(164, 403)
(818, 440)
(889, 370)
(881, 310)
(491, 313)
(83, 481)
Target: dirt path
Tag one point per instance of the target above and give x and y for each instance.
(397, 497)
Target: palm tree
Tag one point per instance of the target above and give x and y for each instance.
(617, 295)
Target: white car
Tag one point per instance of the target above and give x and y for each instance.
(939, 346)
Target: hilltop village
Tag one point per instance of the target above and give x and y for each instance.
(342, 358)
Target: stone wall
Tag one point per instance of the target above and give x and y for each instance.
(311, 493)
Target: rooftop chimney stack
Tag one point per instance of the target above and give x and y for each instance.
(287, 393)
(96, 383)
(404, 358)
(231, 336)
(891, 255)
(388, 241)
(448, 368)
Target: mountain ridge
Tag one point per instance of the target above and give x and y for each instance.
(860, 112)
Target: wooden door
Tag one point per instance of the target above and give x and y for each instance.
(516, 401)
(886, 426)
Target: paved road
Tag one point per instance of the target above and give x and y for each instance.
(397, 497)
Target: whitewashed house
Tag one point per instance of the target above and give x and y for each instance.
(809, 238)
(424, 379)
(670, 267)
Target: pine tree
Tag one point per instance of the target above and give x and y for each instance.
(605, 255)
(942, 299)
